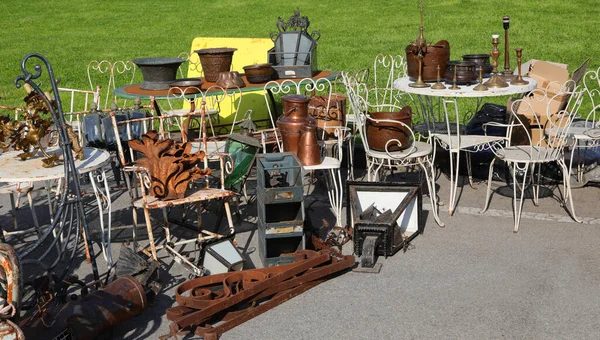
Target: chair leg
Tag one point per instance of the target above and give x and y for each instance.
(535, 179)
(430, 179)
(36, 224)
(518, 202)
(229, 219)
(469, 171)
(150, 233)
(13, 211)
(567, 184)
(488, 194)
(453, 182)
(166, 224)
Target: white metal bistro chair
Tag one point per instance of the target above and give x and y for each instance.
(553, 109)
(396, 155)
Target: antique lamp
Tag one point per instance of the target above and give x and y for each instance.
(495, 81)
(385, 217)
(222, 257)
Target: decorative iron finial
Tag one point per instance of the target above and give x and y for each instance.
(294, 23)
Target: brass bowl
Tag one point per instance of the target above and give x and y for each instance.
(258, 73)
(185, 86)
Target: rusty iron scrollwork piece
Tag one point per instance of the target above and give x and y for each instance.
(170, 165)
(212, 305)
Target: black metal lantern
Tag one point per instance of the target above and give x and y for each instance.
(294, 54)
(385, 217)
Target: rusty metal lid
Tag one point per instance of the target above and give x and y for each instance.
(295, 98)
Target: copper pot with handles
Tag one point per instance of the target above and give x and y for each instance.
(309, 152)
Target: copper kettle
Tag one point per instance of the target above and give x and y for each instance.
(295, 116)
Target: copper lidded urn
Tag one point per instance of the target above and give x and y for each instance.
(294, 117)
(309, 152)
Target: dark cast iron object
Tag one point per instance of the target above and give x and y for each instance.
(158, 73)
(69, 220)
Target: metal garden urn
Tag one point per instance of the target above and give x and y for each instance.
(294, 118)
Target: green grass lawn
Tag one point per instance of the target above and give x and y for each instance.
(72, 33)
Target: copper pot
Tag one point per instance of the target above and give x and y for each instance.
(334, 115)
(437, 54)
(308, 148)
(379, 133)
(294, 117)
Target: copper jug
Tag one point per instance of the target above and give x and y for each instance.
(294, 117)
(309, 152)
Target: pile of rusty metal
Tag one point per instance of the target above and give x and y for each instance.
(212, 305)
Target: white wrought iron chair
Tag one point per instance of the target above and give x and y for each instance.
(554, 109)
(142, 199)
(585, 130)
(108, 75)
(417, 153)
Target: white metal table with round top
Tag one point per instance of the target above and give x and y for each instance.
(449, 134)
(94, 161)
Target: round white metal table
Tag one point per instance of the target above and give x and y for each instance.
(450, 135)
(93, 163)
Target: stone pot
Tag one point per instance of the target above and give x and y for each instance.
(482, 60)
(465, 72)
(158, 73)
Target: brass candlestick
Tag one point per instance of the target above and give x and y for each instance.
(495, 81)
(519, 80)
(480, 86)
(507, 74)
(454, 87)
(438, 85)
(421, 45)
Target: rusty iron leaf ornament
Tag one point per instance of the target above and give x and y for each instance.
(170, 165)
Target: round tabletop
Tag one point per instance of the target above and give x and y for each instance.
(464, 91)
(13, 169)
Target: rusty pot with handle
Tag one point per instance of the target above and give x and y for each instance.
(379, 133)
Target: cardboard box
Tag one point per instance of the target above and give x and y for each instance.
(551, 78)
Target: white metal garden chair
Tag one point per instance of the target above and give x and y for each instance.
(417, 153)
(525, 154)
(585, 130)
(108, 75)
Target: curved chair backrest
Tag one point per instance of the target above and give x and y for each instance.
(109, 75)
(552, 110)
(591, 86)
(69, 219)
(386, 69)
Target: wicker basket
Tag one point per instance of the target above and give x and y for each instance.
(214, 61)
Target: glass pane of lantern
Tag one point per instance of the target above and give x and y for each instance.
(304, 48)
(288, 43)
(386, 200)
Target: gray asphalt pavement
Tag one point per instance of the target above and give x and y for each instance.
(473, 279)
